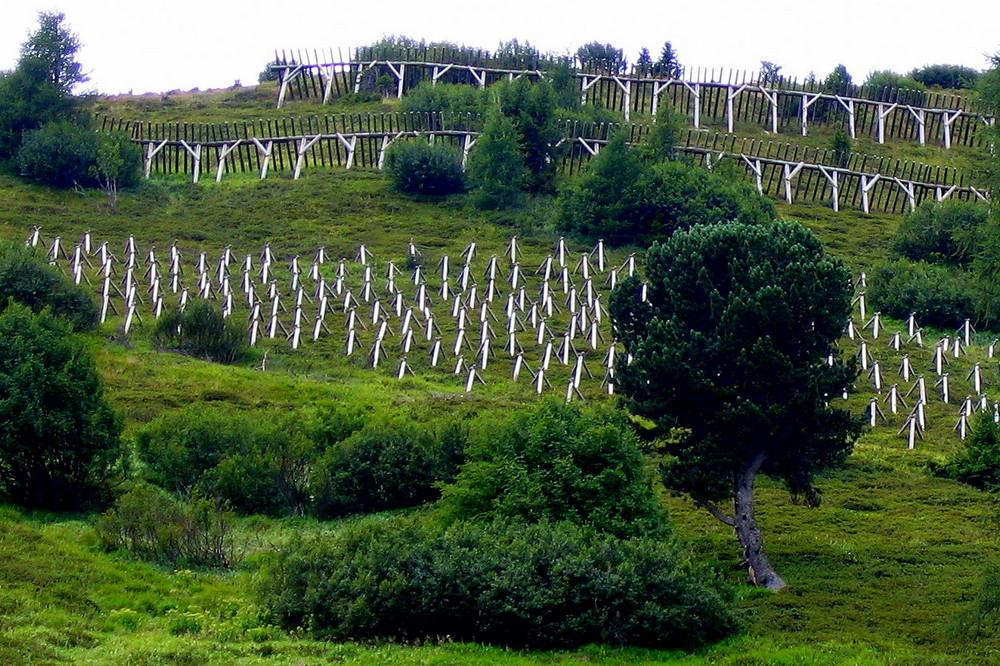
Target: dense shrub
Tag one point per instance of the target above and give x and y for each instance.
(201, 331)
(60, 154)
(418, 167)
(531, 107)
(150, 524)
(889, 86)
(558, 463)
(59, 439)
(537, 586)
(498, 175)
(456, 100)
(947, 232)
(954, 77)
(663, 198)
(388, 464)
(258, 462)
(939, 296)
(28, 279)
(841, 146)
(978, 464)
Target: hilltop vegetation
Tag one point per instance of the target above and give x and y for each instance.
(279, 505)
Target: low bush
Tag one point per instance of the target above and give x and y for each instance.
(978, 463)
(388, 464)
(257, 462)
(201, 331)
(418, 167)
(550, 585)
(60, 154)
(150, 524)
(946, 233)
(28, 279)
(954, 77)
(938, 295)
(662, 198)
(558, 463)
(457, 101)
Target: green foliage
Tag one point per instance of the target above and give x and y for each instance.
(558, 463)
(150, 524)
(552, 585)
(28, 279)
(948, 232)
(838, 81)
(664, 136)
(769, 74)
(271, 72)
(456, 100)
(954, 77)
(668, 65)
(257, 462)
(37, 92)
(938, 295)
(52, 50)
(60, 154)
(419, 167)
(842, 147)
(644, 204)
(496, 167)
(201, 331)
(388, 464)
(531, 107)
(989, 86)
(732, 346)
(978, 464)
(890, 86)
(118, 165)
(595, 56)
(59, 446)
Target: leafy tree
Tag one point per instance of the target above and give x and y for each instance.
(770, 73)
(953, 77)
(664, 136)
(603, 57)
(558, 463)
(52, 48)
(732, 346)
(59, 439)
(118, 165)
(644, 63)
(668, 65)
(531, 106)
(497, 172)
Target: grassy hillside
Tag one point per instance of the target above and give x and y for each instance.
(878, 574)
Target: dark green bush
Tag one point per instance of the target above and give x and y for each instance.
(558, 463)
(456, 100)
(661, 199)
(59, 439)
(978, 464)
(28, 279)
(938, 295)
(418, 167)
(258, 462)
(60, 154)
(946, 233)
(498, 175)
(531, 107)
(954, 77)
(388, 464)
(551, 585)
(201, 331)
(150, 524)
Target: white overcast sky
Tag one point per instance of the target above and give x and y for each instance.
(143, 46)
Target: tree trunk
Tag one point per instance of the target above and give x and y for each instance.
(748, 531)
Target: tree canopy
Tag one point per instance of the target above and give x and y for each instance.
(735, 345)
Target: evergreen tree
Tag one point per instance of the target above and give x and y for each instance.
(735, 345)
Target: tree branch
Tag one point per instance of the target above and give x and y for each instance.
(717, 512)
